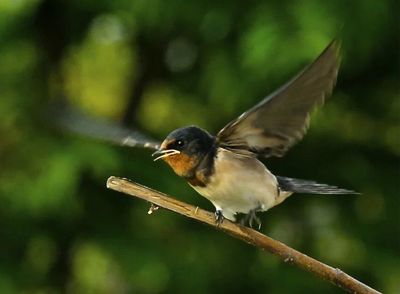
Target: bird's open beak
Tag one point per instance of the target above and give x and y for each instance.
(162, 153)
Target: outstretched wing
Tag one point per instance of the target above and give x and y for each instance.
(74, 121)
(280, 120)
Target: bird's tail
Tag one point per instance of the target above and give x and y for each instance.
(304, 186)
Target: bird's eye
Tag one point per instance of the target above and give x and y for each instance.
(180, 143)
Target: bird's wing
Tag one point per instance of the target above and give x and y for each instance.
(275, 124)
(76, 122)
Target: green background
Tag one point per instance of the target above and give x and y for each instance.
(157, 65)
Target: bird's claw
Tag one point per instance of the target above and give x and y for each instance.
(251, 218)
(219, 218)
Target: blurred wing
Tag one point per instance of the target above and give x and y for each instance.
(280, 120)
(73, 121)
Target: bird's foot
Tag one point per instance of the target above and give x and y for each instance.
(219, 218)
(251, 218)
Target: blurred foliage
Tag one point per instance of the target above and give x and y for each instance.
(156, 65)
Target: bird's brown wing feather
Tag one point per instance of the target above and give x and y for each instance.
(275, 124)
(67, 118)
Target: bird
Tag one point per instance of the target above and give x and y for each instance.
(226, 168)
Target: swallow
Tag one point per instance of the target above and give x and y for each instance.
(226, 168)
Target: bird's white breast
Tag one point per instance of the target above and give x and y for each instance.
(239, 184)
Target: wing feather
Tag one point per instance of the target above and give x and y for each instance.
(70, 119)
(275, 124)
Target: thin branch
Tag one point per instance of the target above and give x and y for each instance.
(284, 252)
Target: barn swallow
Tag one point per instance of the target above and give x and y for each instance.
(226, 168)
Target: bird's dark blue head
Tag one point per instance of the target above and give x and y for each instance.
(189, 140)
(184, 148)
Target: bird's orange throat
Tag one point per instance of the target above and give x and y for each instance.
(182, 164)
(196, 168)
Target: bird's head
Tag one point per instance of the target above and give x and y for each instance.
(184, 148)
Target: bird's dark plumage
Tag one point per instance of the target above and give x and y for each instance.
(309, 187)
(276, 123)
(194, 140)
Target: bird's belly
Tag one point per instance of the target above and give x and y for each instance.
(240, 192)
(240, 185)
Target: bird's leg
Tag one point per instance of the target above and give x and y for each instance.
(251, 218)
(219, 218)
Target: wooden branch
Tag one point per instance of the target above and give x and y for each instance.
(284, 252)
